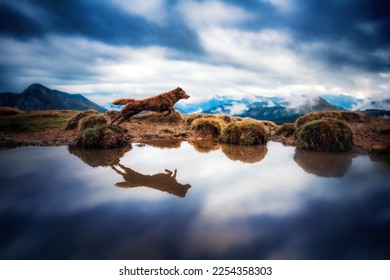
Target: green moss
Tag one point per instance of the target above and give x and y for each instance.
(74, 121)
(105, 136)
(223, 117)
(156, 117)
(246, 132)
(208, 126)
(340, 115)
(328, 134)
(35, 121)
(92, 121)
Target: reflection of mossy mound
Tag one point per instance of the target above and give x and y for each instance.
(249, 154)
(330, 135)
(92, 121)
(163, 143)
(106, 136)
(211, 127)
(205, 145)
(74, 121)
(101, 157)
(246, 132)
(322, 163)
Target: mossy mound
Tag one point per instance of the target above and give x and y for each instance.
(208, 127)
(340, 115)
(246, 133)
(270, 127)
(223, 117)
(73, 122)
(102, 137)
(157, 117)
(92, 121)
(9, 111)
(286, 129)
(328, 134)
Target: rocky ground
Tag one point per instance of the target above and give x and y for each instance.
(369, 134)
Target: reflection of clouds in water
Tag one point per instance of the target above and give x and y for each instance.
(270, 187)
(272, 205)
(207, 235)
(253, 189)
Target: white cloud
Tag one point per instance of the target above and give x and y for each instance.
(152, 10)
(236, 63)
(212, 13)
(237, 108)
(265, 51)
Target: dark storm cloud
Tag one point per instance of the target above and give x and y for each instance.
(260, 46)
(98, 20)
(353, 33)
(14, 23)
(357, 33)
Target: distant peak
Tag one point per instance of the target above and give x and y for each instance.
(35, 86)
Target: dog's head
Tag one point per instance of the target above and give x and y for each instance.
(181, 93)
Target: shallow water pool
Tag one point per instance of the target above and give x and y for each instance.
(192, 201)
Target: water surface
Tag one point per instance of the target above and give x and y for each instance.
(200, 201)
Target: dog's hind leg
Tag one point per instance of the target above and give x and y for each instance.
(127, 116)
(115, 119)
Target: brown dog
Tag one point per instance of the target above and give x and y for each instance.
(159, 103)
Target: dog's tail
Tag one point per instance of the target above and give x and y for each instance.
(122, 101)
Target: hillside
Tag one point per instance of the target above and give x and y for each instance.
(39, 97)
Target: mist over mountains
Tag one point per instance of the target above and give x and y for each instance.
(283, 109)
(276, 109)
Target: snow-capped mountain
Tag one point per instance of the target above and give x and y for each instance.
(276, 109)
(279, 109)
(284, 109)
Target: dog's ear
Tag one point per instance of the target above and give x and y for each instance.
(179, 88)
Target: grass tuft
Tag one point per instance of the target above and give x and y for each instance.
(245, 132)
(92, 121)
(286, 129)
(327, 134)
(102, 137)
(73, 122)
(347, 116)
(208, 127)
(35, 121)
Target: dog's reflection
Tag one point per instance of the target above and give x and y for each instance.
(165, 182)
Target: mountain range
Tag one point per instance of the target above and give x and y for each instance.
(284, 109)
(39, 97)
(276, 109)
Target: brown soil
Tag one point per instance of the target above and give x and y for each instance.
(369, 134)
(50, 137)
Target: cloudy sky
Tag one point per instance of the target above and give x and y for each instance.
(110, 48)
